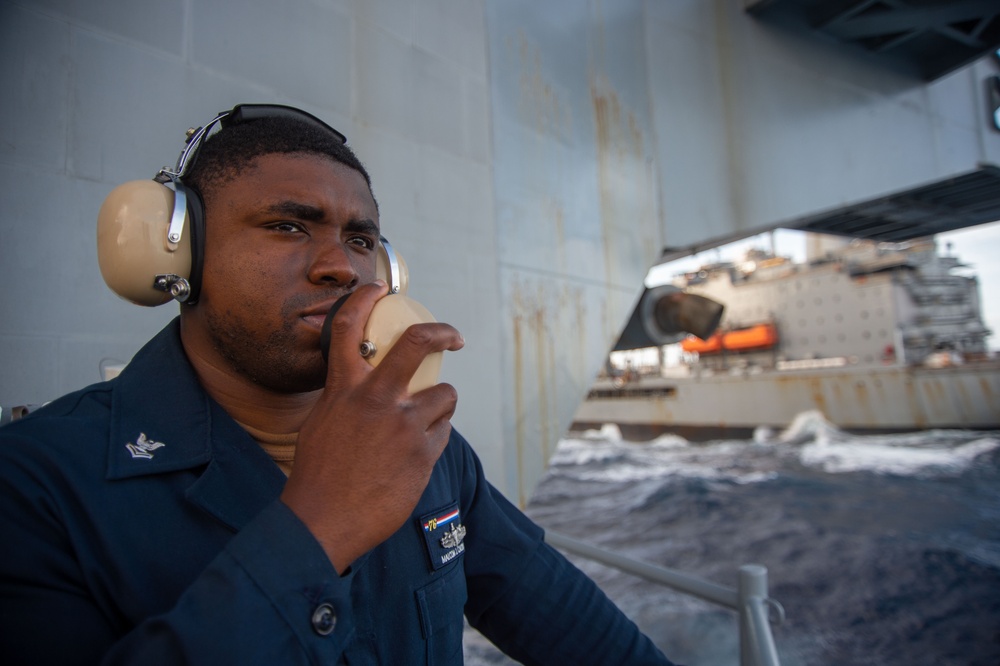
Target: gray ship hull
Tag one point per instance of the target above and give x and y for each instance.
(863, 399)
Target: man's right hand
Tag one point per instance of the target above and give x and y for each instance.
(368, 447)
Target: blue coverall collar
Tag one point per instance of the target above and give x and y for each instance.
(163, 421)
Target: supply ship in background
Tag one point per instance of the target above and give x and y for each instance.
(876, 336)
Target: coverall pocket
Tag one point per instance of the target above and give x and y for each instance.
(441, 605)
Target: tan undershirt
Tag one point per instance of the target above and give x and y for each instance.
(281, 448)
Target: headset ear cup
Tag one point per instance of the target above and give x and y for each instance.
(132, 245)
(195, 229)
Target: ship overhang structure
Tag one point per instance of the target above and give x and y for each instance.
(961, 201)
(929, 38)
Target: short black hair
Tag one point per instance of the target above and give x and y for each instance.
(231, 150)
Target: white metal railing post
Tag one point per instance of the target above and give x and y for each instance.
(756, 642)
(751, 602)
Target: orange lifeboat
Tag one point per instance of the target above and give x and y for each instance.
(752, 338)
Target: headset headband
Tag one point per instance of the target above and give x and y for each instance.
(240, 113)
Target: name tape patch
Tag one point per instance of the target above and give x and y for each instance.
(444, 535)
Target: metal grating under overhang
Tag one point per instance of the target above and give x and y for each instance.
(953, 203)
(930, 38)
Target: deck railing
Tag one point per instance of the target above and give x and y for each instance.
(749, 600)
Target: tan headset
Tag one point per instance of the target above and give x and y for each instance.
(150, 239)
(150, 233)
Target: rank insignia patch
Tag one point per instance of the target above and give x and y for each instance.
(143, 447)
(444, 535)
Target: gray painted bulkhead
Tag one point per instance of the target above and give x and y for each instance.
(531, 161)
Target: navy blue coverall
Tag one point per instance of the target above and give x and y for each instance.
(140, 524)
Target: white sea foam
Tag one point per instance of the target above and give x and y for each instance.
(809, 426)
(888, 458)
(594, 458)
(668, 443)
(608, 431)
(584, 451)
(602, 455)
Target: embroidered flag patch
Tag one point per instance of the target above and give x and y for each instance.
(444, 535)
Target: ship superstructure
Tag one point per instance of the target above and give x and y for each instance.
(866, 303)
(874, 335)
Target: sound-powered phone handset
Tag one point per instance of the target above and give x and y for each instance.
(391, 316)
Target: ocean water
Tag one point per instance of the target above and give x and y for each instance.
(881, 549)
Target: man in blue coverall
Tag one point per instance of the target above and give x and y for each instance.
(232, 497)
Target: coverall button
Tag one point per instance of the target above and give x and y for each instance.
(324, 620)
